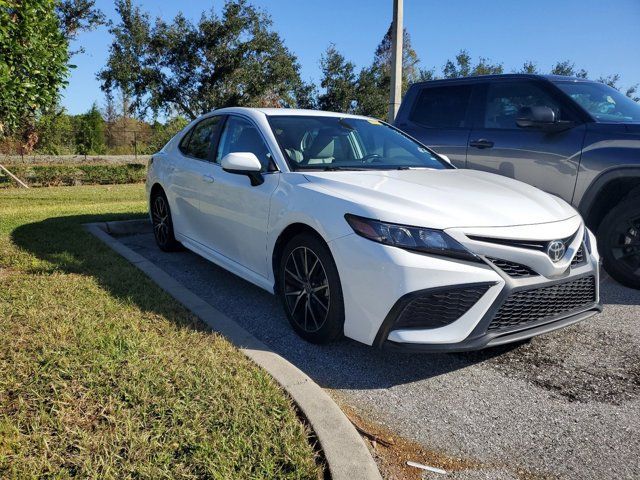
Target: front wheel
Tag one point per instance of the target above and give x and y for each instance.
(619, 242)
(310, 290)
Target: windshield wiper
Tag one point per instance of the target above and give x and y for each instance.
(336, 169)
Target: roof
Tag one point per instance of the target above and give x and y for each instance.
(550, 78)
(286, 111)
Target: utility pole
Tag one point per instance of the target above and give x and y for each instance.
(397, 36)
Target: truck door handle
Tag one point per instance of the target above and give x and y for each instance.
(208, 178)
(481, 143)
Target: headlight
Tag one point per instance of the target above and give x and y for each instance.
(419, 239)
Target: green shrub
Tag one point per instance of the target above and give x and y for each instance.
(65, 175)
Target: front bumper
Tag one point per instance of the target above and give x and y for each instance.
(483, 336)
(493, 340)
(379, 281)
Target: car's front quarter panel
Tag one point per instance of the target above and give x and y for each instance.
(375, 276)
(298, 201)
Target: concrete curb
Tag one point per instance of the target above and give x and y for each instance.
(346, 453)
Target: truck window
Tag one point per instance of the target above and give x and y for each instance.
(504, 100)
(442, 107)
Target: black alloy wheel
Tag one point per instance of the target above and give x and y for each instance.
(162, 223)
(310, 289)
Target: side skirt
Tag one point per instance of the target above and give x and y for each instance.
(226, 263)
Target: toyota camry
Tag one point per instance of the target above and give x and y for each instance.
(364, 232)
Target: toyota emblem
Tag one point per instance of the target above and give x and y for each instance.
(556, 250)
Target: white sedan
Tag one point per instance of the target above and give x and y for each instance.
(364, 232)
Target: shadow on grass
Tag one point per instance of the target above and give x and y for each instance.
(66, 246)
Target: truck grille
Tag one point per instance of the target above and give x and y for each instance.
(512, 269)
(531, 306)
(440, 308)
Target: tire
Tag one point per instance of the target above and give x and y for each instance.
(313, 286)
(619, 242)
(162, 223)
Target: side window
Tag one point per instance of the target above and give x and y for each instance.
(240, 135)
(442, 107)
(197, 143)
(504, 101)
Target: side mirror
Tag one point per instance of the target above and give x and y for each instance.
(243, 163)
(535, 117)
(541, 117)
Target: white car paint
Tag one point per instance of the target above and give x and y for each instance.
(221, 217)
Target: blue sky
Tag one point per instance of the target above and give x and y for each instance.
(601, 36)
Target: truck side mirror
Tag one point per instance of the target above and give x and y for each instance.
(542, 118)
(535, 117)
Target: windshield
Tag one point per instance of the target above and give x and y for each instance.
(333, 143)
(604, 103)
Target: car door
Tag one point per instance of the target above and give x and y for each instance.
(439, 118)
(236, 214)
(545, 159)
(190, 169)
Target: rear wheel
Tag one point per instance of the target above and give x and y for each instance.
(619, 242)
(162, 223)
(310, 289)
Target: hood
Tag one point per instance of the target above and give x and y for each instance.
(442, 198)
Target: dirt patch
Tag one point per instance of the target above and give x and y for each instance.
(392, 451)
(578, 364)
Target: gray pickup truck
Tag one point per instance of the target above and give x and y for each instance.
(574, 138)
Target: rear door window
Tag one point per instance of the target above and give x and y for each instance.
(442, 107)
(198, 142)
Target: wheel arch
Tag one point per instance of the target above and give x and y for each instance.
(289, 232)
(607, 190)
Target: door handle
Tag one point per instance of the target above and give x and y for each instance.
(208, 178)
(481, 143)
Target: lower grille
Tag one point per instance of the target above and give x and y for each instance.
(440, 308)
(512, 269)
(531, 306)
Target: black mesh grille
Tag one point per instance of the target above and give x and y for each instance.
(530, 306)
(511, 268)
(440, 308)
(579, 258)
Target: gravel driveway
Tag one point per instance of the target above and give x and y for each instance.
(565, 405)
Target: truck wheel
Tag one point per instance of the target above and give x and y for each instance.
(619, 242)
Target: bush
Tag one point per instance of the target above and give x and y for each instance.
(61, 175)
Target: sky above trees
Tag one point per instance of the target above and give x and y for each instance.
(600, 37)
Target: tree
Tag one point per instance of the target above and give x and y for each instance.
(55, 133)
(90, 132)
(374, 82)
(191, 68)
(338, 82)
(33, 64)
(161, 133)
(568, 69)
(529, 67)
(75, 16)
(463, 66)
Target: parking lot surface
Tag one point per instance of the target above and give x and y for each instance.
(565, 405)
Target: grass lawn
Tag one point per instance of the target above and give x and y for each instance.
(103, 375)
